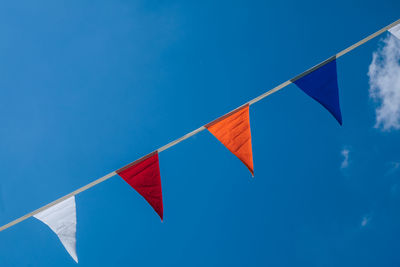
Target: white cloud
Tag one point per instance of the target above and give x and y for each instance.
(365, 220)
(384, 82)
(345, 163)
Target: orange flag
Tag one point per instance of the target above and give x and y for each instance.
(233, 130)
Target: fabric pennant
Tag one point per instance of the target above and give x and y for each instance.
(321, 84)
(144, 176)
(61, 218)
(395, 31)
(233, 131)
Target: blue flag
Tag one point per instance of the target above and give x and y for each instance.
(321, 84)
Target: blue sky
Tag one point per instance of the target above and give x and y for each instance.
(89, 87)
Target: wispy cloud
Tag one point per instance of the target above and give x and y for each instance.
(366, 219)
(345, 163)
(384, 82)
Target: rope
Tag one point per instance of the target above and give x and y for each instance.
(188, 135)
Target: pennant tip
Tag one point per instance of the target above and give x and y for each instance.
(339, 120)
(250, 169)
(161, 216)
(251, 172)
(75, 258)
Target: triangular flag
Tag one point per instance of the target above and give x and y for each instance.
(233, 130)
(61, 218)
(395, 31)
(144, 176)
(321, 84)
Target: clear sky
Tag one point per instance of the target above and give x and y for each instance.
(87, 87)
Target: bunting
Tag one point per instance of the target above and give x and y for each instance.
(233, 131)
(321, 84)
(395, 31)
(61, 218)
(144, 176)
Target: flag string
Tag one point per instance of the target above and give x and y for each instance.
(188, 135)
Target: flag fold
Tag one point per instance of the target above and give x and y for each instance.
(144, 176)
(321, 84)
(395, 30)
(233, 131)
(61, 218)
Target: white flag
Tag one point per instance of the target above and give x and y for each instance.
(395, 31)
(61, 218)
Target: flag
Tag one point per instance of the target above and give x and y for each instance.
(395, 30)
(144, 176)
(321, 84)
(61, 218)
(233, 131)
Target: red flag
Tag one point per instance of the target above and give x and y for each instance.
(233, 130)
(144, 176)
